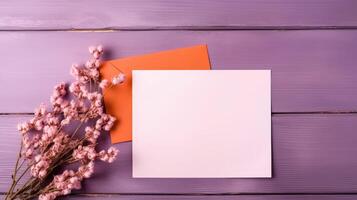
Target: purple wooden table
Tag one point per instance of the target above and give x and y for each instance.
(310, 45)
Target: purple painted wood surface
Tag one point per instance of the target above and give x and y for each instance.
(311, 70)
(204, 197)
(311, 154)
(140, 14)
(214, 197)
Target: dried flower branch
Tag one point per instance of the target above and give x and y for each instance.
(47, 147)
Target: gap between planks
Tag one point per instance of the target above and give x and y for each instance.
(274, 113)
(208, 194)
(189, 28)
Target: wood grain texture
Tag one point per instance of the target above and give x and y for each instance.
(172, 14)
(213, 197)
(312, 71)
(311, 154)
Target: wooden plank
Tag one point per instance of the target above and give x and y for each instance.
(211, 197)
(311, 154)
(156, 14)
(312, 71)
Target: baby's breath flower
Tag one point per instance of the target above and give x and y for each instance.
(119, 79)
(48, 145)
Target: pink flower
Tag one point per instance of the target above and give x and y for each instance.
(105, 122)
(59, 90)
(109, 155)
(40, 111)
(92, 49)
(84, 152)
(91, 134)
(100, 48)
(104, 83)
(96, 51)
(45, 143)
(24, 127)
(74, 71)
(78, 89)
(119, 79)
(50, 130)
(87, 170)
(95, 98)
(39, 124)
(40, 167)
(47, 196)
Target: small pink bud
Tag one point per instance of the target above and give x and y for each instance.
(42, 173)
(28, 153)
(97, 63)
(119, 79)
(100, 48)
(91, 49)
(103, 84)
(96, 54)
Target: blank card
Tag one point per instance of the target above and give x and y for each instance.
(201, 123)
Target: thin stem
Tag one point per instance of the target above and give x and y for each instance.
(90, 85)
(59, 129)
(23, 173)
(36, 186)
(61, 159)
(24, 187)
(80, 125)
(75, 131)
(45, 190)
(22, 163)
(14, 174)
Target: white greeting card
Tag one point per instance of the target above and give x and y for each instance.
(201, 123)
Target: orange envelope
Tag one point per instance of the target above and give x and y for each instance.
(117, 99)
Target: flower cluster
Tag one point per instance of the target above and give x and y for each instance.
(46, 146)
